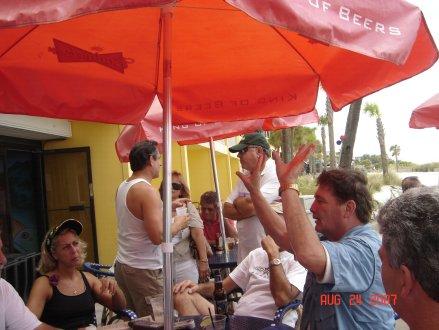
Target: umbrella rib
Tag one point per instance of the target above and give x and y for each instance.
(18, 41)
(297, 52)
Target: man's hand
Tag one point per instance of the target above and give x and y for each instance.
(179, 202)
(187, 285)
(270, 246)
(288, 173)
(252, 180)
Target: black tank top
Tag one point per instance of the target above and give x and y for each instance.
(70, 312)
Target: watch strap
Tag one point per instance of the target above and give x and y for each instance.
(275, 262)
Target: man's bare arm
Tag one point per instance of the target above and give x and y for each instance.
(281, 289)
(239, 212)
(152, 215)
(273, 223)
(230, 228)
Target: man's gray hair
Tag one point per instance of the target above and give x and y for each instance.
(410, 228)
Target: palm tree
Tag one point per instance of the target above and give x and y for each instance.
(323, 121)
(275, 139)
(372, 110)
(287, 141)
(329, 115)
(395, 150)
(347, 148)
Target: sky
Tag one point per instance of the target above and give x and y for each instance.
(396, 104)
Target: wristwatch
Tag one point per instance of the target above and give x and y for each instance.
(275, 262)
(286, 186)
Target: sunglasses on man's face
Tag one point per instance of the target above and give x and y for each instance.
(243, 151)
(176, 186)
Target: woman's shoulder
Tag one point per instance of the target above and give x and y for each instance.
(44, 284)
(91, 279)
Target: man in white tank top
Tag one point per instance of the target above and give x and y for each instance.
(139, 264)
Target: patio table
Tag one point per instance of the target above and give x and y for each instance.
(227, 259)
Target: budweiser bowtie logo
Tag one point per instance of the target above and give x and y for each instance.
(68, 53)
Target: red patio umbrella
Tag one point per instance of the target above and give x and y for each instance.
(107, 67)
(227, 66)
(151, 128)
(426, 115)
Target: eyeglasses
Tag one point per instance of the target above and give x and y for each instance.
(176, 186)
(243, 151)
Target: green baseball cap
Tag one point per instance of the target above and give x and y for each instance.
(252, 139)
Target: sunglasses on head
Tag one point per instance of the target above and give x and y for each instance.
(176, 186)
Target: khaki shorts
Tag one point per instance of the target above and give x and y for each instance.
(138, 284)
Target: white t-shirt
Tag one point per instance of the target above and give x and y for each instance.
(250, 230)
(14, 315)
(252, 275)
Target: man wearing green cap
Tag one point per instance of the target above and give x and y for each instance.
(239, 205)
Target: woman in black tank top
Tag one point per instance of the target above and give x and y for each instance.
(65, 297)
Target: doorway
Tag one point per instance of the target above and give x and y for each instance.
(69, 192)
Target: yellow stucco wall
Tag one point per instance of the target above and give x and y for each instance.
(201, 174)
(107, 173)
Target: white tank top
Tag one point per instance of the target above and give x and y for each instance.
(135, 249)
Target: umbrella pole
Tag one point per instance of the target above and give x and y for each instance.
(217, 188)
(167, 247)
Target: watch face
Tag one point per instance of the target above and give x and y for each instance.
(275, 262)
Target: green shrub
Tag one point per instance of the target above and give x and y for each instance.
(392, 179)
(307, 184)
(375, 182)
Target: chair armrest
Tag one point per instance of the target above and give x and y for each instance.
(126, 313)
(281, 311)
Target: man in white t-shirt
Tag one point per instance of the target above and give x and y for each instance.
(270, 279)
(14, 315)
(239, 205)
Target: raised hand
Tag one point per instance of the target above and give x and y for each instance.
(288, 173)
(270, 246)
(252, 180)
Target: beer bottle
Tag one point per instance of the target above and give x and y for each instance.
(219, 296)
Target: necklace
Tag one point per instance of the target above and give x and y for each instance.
(71, 288)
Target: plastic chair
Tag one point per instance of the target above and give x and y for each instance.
(108, 316)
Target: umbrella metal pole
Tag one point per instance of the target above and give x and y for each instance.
(217, 188)
(167, 247)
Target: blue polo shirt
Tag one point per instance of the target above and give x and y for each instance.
(356, 299)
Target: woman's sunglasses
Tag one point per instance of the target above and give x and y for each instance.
(176, 186)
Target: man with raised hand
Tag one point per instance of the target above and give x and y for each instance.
(343, 271)
(239, 205)
(270, 278)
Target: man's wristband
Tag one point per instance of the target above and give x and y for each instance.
(287, 186)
